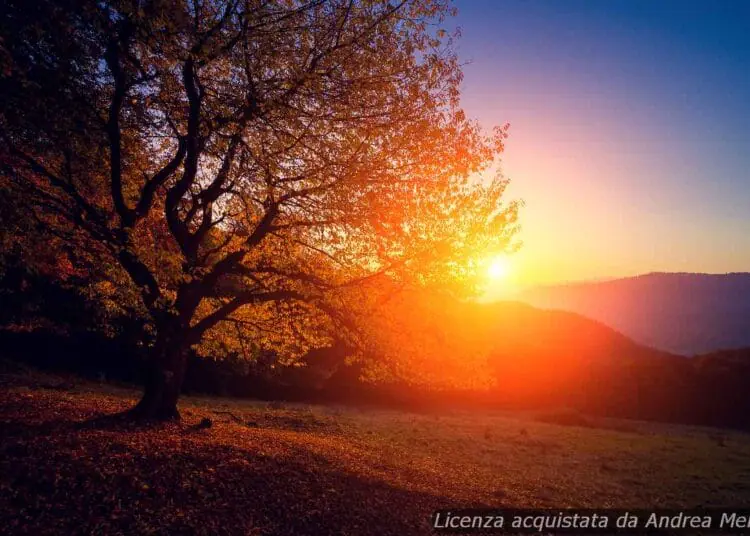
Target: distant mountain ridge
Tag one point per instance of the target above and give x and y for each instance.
(684, 313)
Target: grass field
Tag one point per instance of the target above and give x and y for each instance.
(274, 468)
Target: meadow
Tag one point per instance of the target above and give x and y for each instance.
(282, 468)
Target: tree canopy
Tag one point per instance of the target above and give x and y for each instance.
(247, 166)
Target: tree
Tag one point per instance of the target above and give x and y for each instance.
(246, 162)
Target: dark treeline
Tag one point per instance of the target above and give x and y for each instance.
(707, 390)
(536, 359)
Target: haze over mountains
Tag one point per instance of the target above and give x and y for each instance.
(511, 354)
(684, 313)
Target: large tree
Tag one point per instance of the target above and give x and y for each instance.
(246, 162)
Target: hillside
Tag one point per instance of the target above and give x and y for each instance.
(677, 312)
(555, 356)
(277, 468)
(438, 352)
(513, 355)
(445, 342)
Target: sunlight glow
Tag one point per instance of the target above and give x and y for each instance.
(498, 268)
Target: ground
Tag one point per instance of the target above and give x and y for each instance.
(274, 468)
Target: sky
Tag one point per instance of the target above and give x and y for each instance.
(630, 131)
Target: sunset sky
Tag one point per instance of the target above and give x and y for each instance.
(630, 131)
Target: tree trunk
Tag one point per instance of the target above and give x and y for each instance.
(166, 370)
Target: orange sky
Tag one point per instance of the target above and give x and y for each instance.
(592, 211)
(627, 140)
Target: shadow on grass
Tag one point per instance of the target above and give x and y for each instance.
(110, 476)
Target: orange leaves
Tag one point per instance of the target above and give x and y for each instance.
(262, 159)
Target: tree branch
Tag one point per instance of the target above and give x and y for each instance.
(153, 184)
(177, 226)
(241, 299)
(112, 57)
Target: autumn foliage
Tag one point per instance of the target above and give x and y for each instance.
(240, 173)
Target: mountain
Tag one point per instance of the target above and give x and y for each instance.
(558, 357)
(526, 352)
(537, 358)
(682, 313)
(513, 355)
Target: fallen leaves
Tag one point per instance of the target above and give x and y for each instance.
(62, 471)
(302, 469)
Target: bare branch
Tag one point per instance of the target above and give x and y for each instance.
(112, 57)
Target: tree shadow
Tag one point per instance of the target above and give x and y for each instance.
(110, 475)
(121, 421)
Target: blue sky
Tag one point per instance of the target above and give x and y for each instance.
(630, 130)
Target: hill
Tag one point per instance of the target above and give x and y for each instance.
(513, 355)
(435, 352)
(444, 342)
(677, 312)
(320, 469)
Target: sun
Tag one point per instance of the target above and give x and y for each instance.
(498, 267)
